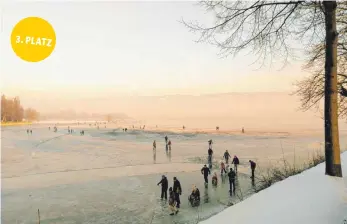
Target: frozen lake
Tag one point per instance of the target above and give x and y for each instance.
(108, 176)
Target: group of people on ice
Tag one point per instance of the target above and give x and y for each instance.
(174, 193)
(194, 197)
(167, 144)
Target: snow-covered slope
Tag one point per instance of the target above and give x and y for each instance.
(310, 197)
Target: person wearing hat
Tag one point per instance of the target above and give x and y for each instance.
(164, 185)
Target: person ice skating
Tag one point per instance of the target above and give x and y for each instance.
(183, 127)
(243, 130)
(231, 176)
(226, 156)
(27, 131)
(205, 171)
(172, 202)
(169, 144)
(154, 145)
(236, 162)
(177, 189)
(253, 165)
(166, 138)
(210, 153)
(215, 179)
(222, 168)
(164, 186)
(31, 132)
(194, 197)
(210, 144)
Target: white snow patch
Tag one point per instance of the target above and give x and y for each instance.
(309, 197)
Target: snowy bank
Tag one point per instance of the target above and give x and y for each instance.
(309, 197)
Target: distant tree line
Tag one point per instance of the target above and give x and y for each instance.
(12, 110)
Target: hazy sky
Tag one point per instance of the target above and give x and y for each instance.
(122, 48)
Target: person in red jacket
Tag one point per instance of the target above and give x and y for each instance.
(169, 144)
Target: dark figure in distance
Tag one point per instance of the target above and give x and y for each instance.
(31, 131)
(226, 156)
(166, 138)
(236, 162)
(217, 128)
(164, 186)
(243, 130)
(253, 165)
(169, 144)
(205, 171)
(210, 153)
(231, 176)
(177, 189)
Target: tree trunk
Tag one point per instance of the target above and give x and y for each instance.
(332, 146)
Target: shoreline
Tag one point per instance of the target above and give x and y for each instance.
(6, 124)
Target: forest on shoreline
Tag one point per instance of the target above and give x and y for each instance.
(13, 111)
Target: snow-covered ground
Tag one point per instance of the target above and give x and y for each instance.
(309, 197)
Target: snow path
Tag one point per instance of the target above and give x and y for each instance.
(309, 197)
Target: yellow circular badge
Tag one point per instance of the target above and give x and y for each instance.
(33, 39)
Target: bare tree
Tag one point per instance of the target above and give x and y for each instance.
(311, 89)
(267, 28)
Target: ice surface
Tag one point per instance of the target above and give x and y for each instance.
(310, 197)
(108, 176)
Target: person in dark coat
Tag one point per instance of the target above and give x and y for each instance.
(164, 186)
(210, 153)
(253, 165)
(226, 156)
(231, 176)
(205, 171)
(236, 162)
(166, 138)
(177, 189)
